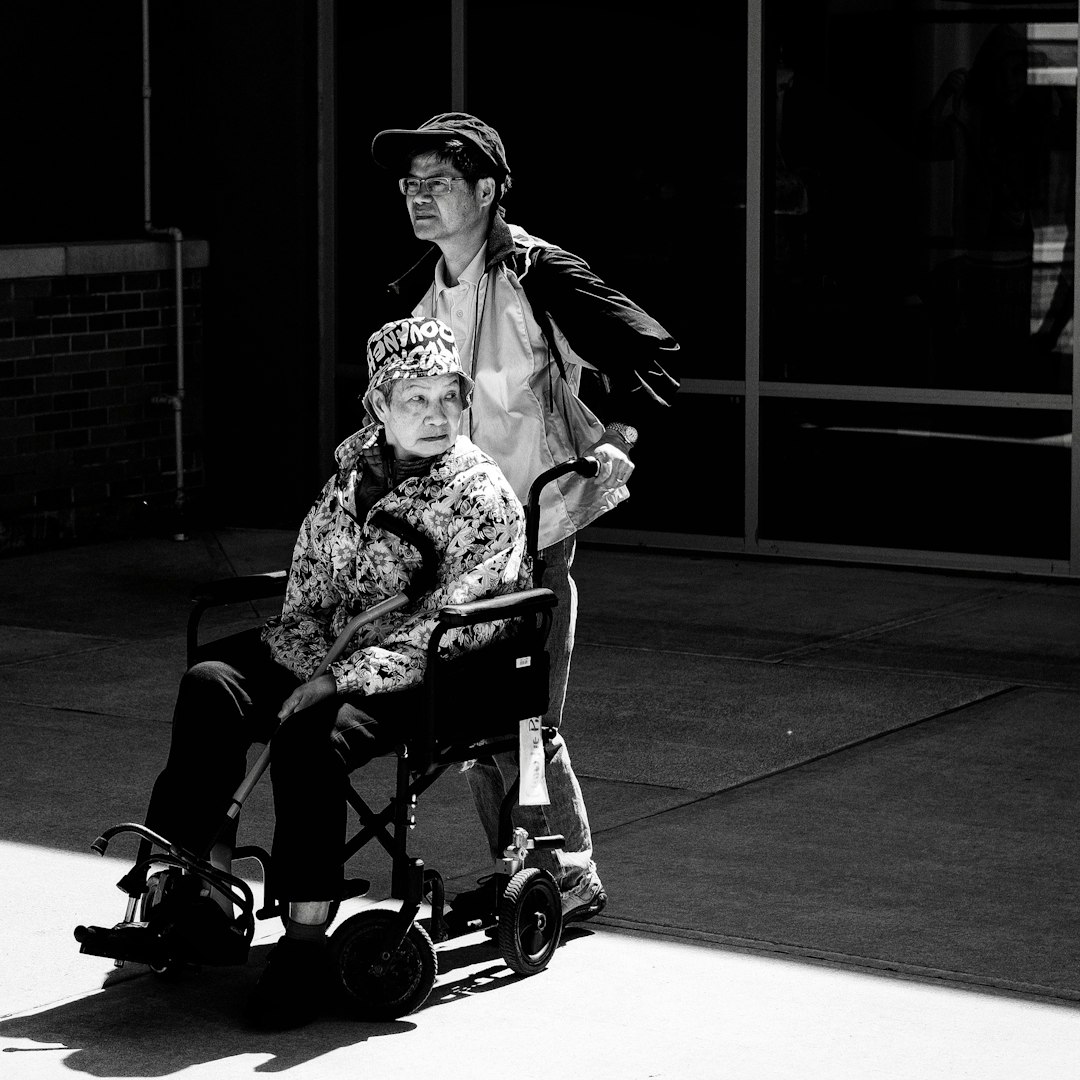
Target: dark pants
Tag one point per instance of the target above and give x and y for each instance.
(224, 705)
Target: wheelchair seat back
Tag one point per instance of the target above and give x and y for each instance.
(479, 698)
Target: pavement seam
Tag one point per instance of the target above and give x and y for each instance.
(916, 673)
(812, 759)
(881, 669)
(54, 708)
(874, 964)
(103, 646)
(1034, 684)
(958, 607)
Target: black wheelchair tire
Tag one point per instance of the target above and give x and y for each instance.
(530, 921)
(375, 984)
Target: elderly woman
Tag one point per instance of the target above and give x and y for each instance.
(414, 463)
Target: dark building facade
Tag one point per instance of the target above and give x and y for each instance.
(857, 217)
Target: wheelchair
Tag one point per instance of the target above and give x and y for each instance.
(383, 959)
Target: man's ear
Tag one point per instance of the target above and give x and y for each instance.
(485, 188)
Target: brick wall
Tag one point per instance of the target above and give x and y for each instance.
(85, 451)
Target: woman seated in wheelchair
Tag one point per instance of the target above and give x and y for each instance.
(413, 462)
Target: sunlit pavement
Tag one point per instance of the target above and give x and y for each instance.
(613, 1003)
(725, 950)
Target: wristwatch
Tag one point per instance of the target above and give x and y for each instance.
(626, 432)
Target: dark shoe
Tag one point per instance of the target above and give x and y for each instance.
(199, 931)
(473, 908)
(292, 991)
(583, 902)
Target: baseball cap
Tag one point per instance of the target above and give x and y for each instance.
(395, 145)
(415, 348)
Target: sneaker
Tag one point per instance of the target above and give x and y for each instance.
(292, 990)
(583, 901)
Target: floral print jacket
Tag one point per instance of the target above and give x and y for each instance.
(342, 566)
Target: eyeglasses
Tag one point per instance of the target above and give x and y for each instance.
(431, 185)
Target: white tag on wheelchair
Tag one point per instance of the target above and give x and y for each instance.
(531, 768)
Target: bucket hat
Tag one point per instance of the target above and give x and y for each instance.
(415, 348)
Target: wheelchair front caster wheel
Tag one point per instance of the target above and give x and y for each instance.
(160, 886)
(379, 983)
(530, 921)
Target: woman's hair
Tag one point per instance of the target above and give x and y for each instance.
(390, 387)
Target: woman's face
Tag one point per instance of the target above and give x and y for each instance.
(422, 417)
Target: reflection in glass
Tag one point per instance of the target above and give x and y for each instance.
(1008, 136)
(919, 209)
(929, 477)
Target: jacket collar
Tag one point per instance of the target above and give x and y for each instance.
(500, 242)
(417, 279)
(369, 440)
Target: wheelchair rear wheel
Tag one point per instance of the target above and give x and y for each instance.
(379, 983)
(530, 921)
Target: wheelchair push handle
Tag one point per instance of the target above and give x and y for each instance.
(583, 466)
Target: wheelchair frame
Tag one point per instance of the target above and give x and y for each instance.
(385, 959)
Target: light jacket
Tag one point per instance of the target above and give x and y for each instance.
(546, 315)
(342, 566)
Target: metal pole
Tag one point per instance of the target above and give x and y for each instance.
(459, 11)
(327, 238)
(752, 401)
(176, 399)
(146, 110)
(1074, 455)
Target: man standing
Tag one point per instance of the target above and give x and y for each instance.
(526, 317)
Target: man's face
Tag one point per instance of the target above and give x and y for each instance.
(443, 217)
(422, 416)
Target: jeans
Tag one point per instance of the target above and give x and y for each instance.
(227, 703)
(490, 779)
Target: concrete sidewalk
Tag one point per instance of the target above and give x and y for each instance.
(702, 688)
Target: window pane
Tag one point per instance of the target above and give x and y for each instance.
(378, 46)
(688, 476)
(625, 129)
(919, 218)
(936, 478)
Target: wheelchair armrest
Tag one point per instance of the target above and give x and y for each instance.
(497, 607)
(229, 591)
(245, 587)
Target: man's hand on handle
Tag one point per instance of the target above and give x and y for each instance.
(615, 464)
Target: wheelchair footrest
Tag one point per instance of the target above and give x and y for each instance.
(134, 942)
(181, 927)
(141, 943)
(555, 840)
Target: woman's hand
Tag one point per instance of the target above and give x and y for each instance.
(308, 694)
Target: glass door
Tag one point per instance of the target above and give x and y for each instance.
(917, 242)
